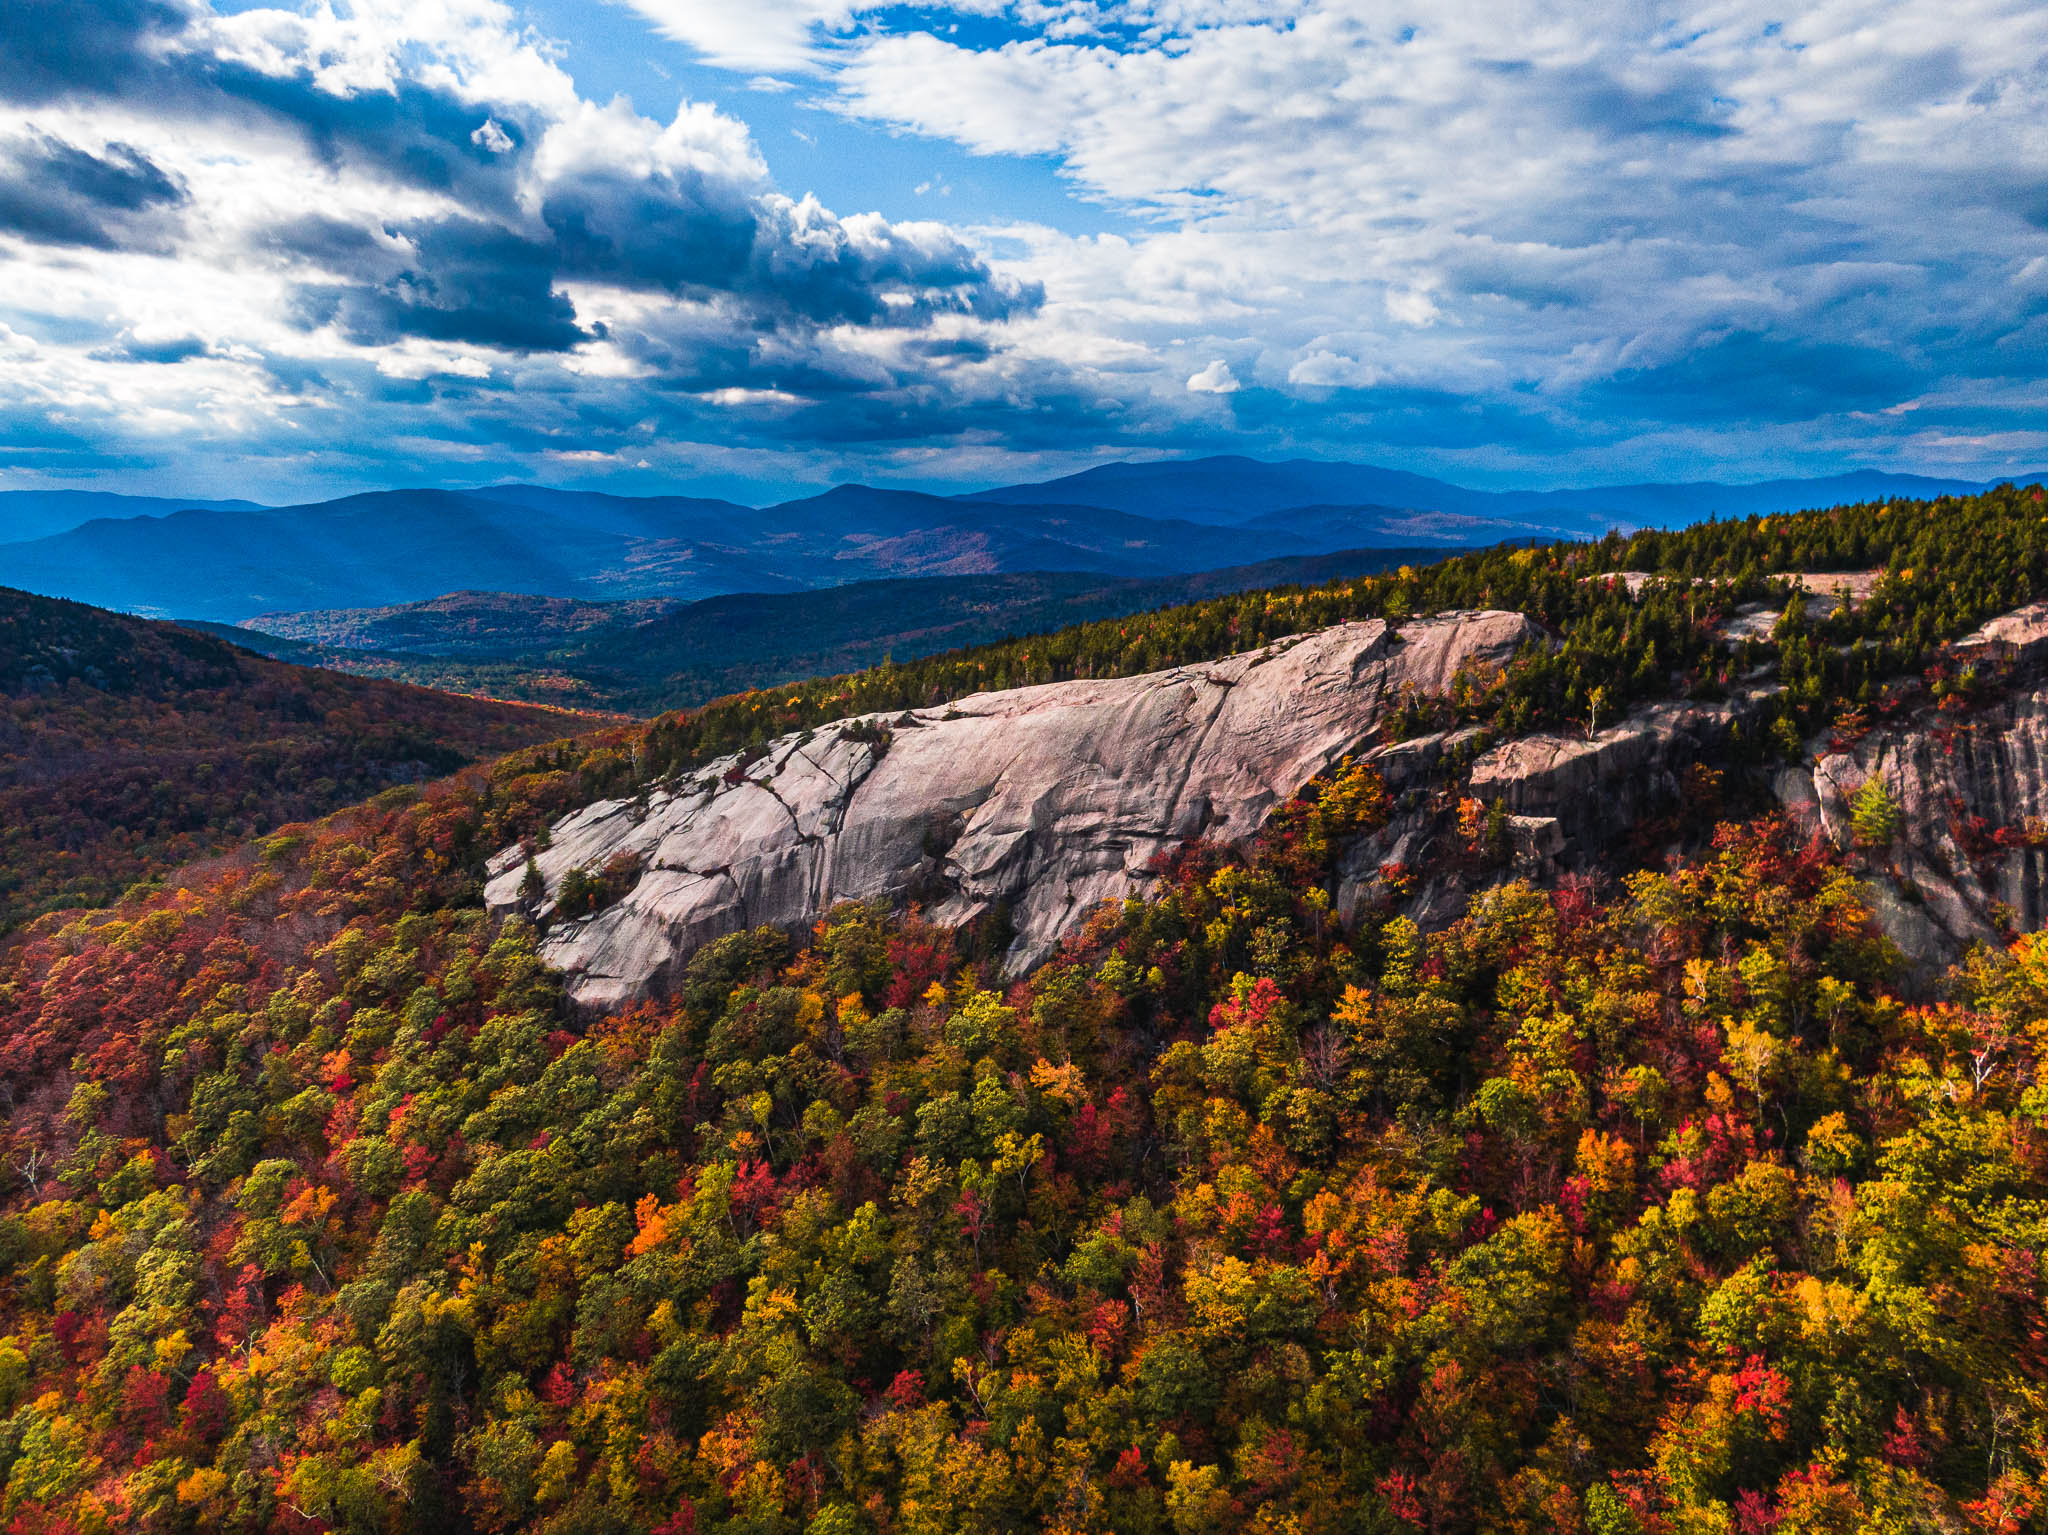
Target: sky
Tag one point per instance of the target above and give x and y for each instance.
(750, 248)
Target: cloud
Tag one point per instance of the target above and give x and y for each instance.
(764, 37)
(392, 239)
(1574, 206)
(396, 233)
(459, 280)
(57, 48)
(53, 193)
(163, 352)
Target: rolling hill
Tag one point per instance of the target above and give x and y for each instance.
(27, 514)
(226, 563)
(128, 746)
(1231, 491)
(643, 657)
(394, 547)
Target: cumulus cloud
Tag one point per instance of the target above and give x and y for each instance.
(404, 211)
(1595, 238)
(1679, 214)
(54, 193)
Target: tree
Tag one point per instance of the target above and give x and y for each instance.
(1873, 814)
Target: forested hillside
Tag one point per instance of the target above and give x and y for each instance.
(128, 747)
(1657, 1202)
(1946, 566)
(624, 656)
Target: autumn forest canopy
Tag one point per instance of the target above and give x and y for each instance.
(1670, 1199)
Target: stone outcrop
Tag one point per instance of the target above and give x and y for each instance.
(1595, 786)
(1971, 786)
(1043, 800)
(1972, 793)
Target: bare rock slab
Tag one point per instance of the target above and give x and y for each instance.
(1046, 800)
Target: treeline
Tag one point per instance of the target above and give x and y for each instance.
(129, 747)
(1949, 564)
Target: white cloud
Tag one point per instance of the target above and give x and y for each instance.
(764, 37)
(1608, 229)
(349, 234)
(1324, 369)
(1538, 200)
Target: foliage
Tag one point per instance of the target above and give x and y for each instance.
(1661, 1211)
(129, 747)
(1946, 566)
(629, 656)
(1657, 1214)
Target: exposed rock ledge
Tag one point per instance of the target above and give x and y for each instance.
(1972, 790)
(1047, 799)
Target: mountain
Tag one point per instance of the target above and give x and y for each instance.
(648, 656)
(458, 624)
(1130, 521)
(1230, 490)
(1517, 1080)
(1077, 792)
(128, 746)
(27, 514)
(394, 547)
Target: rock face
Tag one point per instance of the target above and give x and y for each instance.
(1973, 800)
(1597, 785)
(1971, 786)
(1046, 800)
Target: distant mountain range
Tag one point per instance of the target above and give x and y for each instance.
(1232, 491)
(644, 657)
(27, 514)
(228, 561)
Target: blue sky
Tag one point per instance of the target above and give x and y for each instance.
(290, 250)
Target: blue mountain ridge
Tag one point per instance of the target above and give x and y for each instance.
(228, 561)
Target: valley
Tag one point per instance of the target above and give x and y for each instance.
(647, 657)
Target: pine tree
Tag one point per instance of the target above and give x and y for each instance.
(1873, 815)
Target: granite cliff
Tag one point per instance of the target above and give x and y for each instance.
(1045, 801)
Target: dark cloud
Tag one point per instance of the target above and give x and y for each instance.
(50, 49)
(143, 51)
(893, 275)
(773, 274)
(55, 194)
(790, 268)
(470, 281)
(1754, 376)
(675, 231)
(693, 234)
(415, 134)
(128, 349)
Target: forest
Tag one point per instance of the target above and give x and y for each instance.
(1666, 1202)
(128, 748)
